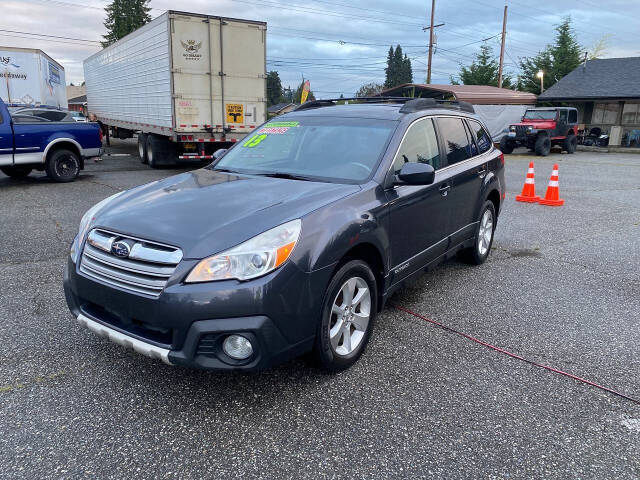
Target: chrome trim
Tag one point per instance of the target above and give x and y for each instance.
(58, 140)
(145, 254)
(103, 242)
(92, 152)
(135, 267)
(120, 338)
(28, 148)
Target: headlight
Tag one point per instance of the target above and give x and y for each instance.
(253, 258)
(529, 129)
(85, 224)
(512, 128)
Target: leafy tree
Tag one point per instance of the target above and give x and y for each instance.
(274, 88)
(483, 70)
(298, 95)
(123, 17)
(600, 47)
(369, 89)
(398, 69)
(556, 60)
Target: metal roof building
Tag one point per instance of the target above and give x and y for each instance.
(474, 94)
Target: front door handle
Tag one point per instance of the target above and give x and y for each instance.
(444, 189)
(482, 171)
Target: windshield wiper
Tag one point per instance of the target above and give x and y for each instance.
(289, 176)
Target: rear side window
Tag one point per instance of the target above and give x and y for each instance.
(420, 145)
(53, 115)
(483, 141)
(573, 116)
(455, 139)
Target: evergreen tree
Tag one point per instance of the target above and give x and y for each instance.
(398, 69)
(274, 88)
(483, 70)
(123, 17)
(556, 60)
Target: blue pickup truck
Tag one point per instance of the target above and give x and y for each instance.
(30, 142)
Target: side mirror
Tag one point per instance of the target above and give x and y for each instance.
(218, 153)
(416, 174)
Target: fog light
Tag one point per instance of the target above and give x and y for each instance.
(237, 347)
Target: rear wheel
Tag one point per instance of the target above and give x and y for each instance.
(348, 313)
(478, 253)
(570, 143)
(16, 171)
(142, 147)
(506, 146)
(543, 145)
(63, 166)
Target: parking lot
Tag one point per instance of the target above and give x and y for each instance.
(560, 288)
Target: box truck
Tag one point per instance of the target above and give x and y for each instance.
(31, 78)
(186, 84)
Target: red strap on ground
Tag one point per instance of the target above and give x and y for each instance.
(513, 355)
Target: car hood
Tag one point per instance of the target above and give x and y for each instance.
(539, 124)
(205, 211)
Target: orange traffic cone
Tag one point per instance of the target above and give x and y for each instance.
(529, 189)
(552, 197)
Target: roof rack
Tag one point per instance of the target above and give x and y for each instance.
(410, 104)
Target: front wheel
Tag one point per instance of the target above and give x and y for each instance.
(506, 146)
(63, 166)
(348, 314)
(543, 145)
(478, 253)
(16, 171)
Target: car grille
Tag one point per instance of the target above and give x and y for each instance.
(521, 130)
(145, 270)
(208, 345)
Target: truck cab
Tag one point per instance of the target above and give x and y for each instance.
(59, 148)
(542, 128)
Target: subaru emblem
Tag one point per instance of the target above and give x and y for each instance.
(120, 249)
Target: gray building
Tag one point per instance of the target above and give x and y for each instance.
(607, 95)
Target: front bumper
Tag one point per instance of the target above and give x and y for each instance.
(187, 323)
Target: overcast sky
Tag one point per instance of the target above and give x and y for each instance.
(341, 44)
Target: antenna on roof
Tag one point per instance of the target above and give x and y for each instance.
(584, 64)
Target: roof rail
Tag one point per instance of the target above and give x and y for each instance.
(333, 101)
(417, 104)
(410, 104)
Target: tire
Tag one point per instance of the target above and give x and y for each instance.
(483, 237)
(142, 148)
(16, 171)
(63, 166)
(543, 145)
(570, 143)
(154, 152)
(506, 146)
(339, 351)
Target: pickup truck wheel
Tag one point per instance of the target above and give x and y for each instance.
(16, 171)
(478, 253)
(348, 314)
(63, 166)
(570, 143)
(543, 145)
(506, 146)
(142, 147)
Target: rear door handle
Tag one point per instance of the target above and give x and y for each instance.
(444, 189)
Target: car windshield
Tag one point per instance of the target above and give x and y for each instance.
(540, 115)
(331, 149)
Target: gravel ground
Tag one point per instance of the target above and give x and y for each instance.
(560, 287)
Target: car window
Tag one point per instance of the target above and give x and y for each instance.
(28, 119)
(573, 116)
(483, 141)
(52, 115)
(420, 145)
(563, 116)
(340, 149)
(455, 139)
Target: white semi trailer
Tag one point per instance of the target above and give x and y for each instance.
(31, 78)
(186, 84)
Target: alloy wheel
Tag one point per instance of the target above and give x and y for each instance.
(350, 315)
(485, 232)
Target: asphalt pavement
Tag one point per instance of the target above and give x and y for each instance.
(560, 287)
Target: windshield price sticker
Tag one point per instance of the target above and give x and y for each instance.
(282, 124)
(274, 130)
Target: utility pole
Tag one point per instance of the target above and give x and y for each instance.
(433, 9)
(504, 34)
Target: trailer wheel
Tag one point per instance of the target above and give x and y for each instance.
(142, 147)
